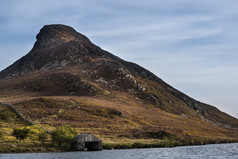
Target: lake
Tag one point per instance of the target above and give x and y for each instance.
(216, 151)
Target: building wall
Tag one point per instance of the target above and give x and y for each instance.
(80, 146)
(89, 142)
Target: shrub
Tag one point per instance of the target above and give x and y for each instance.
(1, 134)
(64, 136)
(42, 136)
(169, 142)
(138, 145)
(21, 134)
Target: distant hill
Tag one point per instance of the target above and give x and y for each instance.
(66, 79)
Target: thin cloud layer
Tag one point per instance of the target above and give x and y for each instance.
(189, 44)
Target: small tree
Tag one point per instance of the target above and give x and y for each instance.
(21, 134)
(63, 136)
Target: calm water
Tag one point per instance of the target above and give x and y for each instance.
(218, 151)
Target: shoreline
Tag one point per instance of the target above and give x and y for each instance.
(113, 147)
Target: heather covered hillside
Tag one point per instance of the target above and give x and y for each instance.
(67, 80)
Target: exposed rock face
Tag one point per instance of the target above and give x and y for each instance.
(56, 34)
(81, 88)
(57, 47)
(52, 81)
(61, 48)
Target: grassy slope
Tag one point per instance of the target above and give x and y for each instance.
(120, 119)
(135, 123)
(8, 143)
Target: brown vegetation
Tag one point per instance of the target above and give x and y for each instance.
(66, 79)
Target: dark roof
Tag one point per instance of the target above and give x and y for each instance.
(86, 137)
(81, 136)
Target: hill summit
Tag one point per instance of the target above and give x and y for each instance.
(56, 34)
(56, 46)
(68, 77)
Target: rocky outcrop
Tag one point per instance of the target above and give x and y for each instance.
(57, 34)
(81, 89)
(52, 81)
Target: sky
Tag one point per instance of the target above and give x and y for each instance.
(190, 44)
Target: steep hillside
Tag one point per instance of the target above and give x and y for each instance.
(66, 79)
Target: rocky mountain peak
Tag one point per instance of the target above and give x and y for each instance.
(56, 34)
(57, 46)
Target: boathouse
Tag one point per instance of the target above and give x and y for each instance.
(87, 141)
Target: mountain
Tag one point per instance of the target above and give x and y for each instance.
(66, 79)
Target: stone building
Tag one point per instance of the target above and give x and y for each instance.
(87, 141)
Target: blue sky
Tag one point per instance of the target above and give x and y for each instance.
(190, 44)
